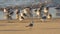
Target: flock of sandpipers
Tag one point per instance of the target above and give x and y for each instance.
(41, 12)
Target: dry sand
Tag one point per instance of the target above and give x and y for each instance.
(19, 27)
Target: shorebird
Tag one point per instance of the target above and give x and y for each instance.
(31, 24)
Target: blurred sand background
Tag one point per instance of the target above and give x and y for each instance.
(50, 26)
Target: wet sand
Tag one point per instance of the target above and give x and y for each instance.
(19, 27)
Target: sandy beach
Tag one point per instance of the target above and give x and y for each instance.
(19, 27)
